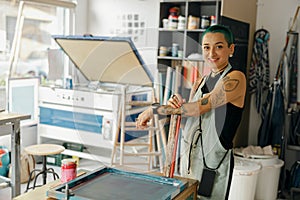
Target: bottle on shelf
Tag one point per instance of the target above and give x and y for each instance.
(173, 18)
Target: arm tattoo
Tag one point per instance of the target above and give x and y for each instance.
(230, 84)
(219, 96)
(183, 110)
(204, 101)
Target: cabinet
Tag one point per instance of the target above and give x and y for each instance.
(78, 115)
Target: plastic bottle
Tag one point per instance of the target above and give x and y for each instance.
(107, 132)
(213, 20)
(173, 17)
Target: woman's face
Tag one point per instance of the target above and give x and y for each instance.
(216, 51)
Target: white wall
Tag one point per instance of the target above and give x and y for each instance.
(274, 16)
(81, 14)
(104, 20)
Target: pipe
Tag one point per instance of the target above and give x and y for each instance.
(59, 3)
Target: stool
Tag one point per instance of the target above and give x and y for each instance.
(43, 150)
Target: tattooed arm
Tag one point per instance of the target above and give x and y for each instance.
(231, 89)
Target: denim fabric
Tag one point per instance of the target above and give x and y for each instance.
(273, 112)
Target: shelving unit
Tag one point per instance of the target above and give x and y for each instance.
(188, 40)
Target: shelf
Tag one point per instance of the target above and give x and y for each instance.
(196, 30)
(169, 58)
(177, 58)
(201, 30)
(293, 147)
(171, 30)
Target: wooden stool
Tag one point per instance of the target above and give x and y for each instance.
(43, 150)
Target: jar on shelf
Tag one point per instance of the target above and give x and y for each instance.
(213, 20)
(163, 51)
(205, 21)
(175, 48)
(173, 17)
(181, 23)
(193, 22)
(165, 23)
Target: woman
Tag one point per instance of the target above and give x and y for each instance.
(213, 113)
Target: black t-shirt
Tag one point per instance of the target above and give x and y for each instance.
(227, 117)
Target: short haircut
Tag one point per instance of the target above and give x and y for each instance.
(220, 29)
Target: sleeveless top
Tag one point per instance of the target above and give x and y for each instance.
(226, 127)
(191, 162)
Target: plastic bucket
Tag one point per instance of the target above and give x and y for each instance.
(244, 180)
(268, 178)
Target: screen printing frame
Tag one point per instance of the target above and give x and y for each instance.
(177, 186)
(106, 59)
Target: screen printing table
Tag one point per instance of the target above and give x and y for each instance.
(14, 119)
(188, 193)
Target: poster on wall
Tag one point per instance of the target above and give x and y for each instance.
(131, 25)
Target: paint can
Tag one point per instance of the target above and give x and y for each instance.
(68, 170)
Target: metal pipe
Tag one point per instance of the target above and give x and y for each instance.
(59, 3)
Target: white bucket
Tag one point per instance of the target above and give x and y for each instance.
(244, 180)
(268, 178)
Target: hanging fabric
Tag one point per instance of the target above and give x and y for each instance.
(273, 111)
(293, 69)
(294, 128)
(259, 72)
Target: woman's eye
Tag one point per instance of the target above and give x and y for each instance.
(219, 46)
(205, 47)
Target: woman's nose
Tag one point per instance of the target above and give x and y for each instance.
(212, 52)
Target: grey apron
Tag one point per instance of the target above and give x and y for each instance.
(191, 163)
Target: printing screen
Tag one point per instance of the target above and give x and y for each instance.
(23, 97)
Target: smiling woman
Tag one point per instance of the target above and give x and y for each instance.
(213, 114)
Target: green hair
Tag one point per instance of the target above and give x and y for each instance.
(220, 29)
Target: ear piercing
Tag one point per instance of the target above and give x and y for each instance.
(230, 55)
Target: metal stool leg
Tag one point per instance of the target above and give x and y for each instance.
(29, 179)
(55, 175)
(34, 183)
(44, 170)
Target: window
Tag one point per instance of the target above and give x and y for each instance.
(27, 43)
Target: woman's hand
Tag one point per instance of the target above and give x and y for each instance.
(176, 101)
(143, 118)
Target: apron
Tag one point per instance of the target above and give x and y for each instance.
(191, 163)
